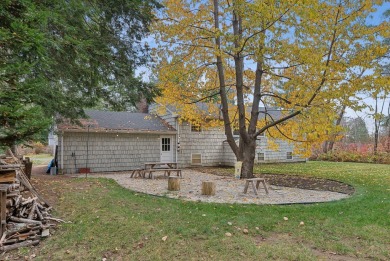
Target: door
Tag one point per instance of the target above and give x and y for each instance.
(166, 151)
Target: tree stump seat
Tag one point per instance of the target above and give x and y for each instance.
(208, 188)
(173, 183)
(255, 188)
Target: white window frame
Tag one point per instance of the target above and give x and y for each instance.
(258, 158)
(192, 160)
(289, 155)
(197, 126)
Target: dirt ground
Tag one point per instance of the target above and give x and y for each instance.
(52, 186)
(294, 181)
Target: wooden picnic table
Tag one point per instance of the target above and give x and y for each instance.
(167, 167)
(157, 165)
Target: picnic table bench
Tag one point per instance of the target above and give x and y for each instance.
(166, 172)
(137, 173)
(151, 167)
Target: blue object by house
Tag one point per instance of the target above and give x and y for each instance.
(51, 164)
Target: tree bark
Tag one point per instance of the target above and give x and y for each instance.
(248, 158)
(338, 122)
(325, 147)
(222, 85)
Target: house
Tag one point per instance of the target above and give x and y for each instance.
(118, 141)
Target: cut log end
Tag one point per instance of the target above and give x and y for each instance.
(173, 183)
(208, 188)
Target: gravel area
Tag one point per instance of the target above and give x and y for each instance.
(228, 189)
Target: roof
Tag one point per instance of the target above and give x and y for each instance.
(119, 121)
(272, 113)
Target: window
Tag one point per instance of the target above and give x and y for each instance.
(166, 144)
(196, 128)
(261, 156)
(262, 134)
(196, 159)
(289, 155)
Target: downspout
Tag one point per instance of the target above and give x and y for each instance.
(177, 138)
(62, 152)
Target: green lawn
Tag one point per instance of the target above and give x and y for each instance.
(111, 222)
(40, 159)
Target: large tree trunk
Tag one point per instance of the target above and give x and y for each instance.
(328, 147)
(248, 151)
(325, 147)
(222, 85)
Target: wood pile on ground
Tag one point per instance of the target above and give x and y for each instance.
(25, 216)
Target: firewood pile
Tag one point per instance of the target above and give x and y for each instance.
(25, 215)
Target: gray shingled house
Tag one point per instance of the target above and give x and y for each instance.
(116, 141)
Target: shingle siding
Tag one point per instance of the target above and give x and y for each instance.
(208, 142)
(108, 152)
(126, 151)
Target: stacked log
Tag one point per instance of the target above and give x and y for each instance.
(25, 216)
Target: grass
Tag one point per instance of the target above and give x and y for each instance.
(111, 222)
(40, 159)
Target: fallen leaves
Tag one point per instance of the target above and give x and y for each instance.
(164, 238)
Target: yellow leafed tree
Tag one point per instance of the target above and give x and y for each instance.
(304, 57)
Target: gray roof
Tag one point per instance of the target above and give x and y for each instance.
(123, 121)
(272, 113)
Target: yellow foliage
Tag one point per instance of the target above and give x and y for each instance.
(314, 56)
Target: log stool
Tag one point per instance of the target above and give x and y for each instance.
(255, 188)
(208, 188)
(173, 183)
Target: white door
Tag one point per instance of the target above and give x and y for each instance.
(166, 150)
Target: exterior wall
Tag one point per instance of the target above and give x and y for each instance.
(279, 155)
(108, 151)
(208, 143)
(270, 156)
(229, 159)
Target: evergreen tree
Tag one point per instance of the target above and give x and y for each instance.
(58, 57)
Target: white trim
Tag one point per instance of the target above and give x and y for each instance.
(170, 147)
(201, 159)
(62, 151)
(177, 137)
(287, 155)
(258, 157)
